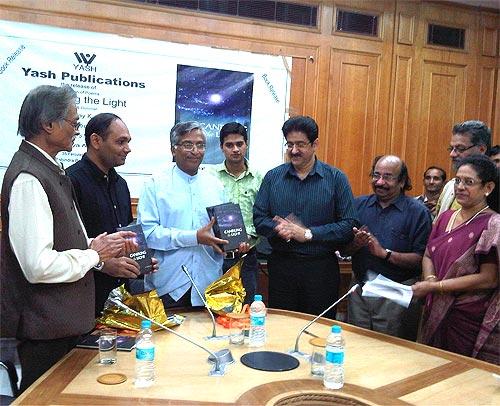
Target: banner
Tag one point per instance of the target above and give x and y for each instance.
(151, 85)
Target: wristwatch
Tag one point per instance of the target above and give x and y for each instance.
(308, 235)
(388, 255)
(99, 266)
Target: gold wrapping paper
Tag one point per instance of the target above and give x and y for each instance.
(147, 303)
(227, 294)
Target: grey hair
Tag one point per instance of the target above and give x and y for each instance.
(183, 128)
(479, 132)
(42, 105)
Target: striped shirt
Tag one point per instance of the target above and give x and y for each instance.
(322, 201)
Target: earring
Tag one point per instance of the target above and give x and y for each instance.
(486, 194)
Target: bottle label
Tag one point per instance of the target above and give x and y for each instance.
(335, 356)
(257, 320)
(145, 354)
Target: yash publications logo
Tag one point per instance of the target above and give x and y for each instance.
(84, 62)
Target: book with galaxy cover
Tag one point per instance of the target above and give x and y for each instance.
(228, 225)
(143, 254)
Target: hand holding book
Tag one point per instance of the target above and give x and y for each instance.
(205, 236)
(141, 255)
(228, 226)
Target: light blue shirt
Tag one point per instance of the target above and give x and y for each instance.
(171, 208)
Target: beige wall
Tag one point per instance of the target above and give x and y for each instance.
(370, 96)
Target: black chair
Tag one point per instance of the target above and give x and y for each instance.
(13, 378)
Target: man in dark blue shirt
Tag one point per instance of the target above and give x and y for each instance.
(305, 209)
(103, 195)
(391, 242)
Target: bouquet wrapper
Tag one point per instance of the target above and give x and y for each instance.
(148, 303)
(227, 294)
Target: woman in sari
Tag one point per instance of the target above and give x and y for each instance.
(461, 271)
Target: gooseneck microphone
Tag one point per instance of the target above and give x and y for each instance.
(296, 349)
(218, 369)
(214, 332)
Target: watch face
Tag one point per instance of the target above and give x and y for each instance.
(308, 235)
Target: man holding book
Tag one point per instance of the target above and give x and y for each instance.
(241, 183)
(46, 281)
(173, 215)
(104, 197)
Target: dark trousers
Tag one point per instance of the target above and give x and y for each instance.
(304, 284)
(249, 272)
(184, 301)
(37, 356)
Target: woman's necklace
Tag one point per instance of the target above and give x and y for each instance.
(451, 223)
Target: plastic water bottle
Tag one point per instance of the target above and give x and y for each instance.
(144, 356)
(257, 336)
(333, 377)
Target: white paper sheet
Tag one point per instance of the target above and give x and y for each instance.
(385, 287)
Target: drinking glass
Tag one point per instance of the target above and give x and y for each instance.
(318, 356)
(107, 346)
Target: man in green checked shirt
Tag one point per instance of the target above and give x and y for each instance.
(241, 184)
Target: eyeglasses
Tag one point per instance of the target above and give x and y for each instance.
(459, 150)
(386, 176)
(298, 145)
(189, 146)
(467, 182)
(76, 125)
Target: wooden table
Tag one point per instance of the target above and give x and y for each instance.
(379, 370)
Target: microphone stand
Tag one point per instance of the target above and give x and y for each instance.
(218, 369)
(296, 351)
(214, 332)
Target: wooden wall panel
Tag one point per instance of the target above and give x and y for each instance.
(496, 111)
(487, 91)
(353, 113)
(442, 106)
(401, 104)
(406, 29)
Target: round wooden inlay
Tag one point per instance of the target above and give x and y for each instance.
(111, 379)
(318, 399)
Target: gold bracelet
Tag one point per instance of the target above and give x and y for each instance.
(441, 289)
(430, 277)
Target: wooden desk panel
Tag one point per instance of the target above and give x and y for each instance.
(379, 370)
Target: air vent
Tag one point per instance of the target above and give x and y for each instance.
(446, 36)
(357, 23)
(266, 10)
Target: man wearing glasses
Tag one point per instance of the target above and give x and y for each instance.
(172, 212)
(305, 209)
(47, 261)
(391, 242)
(468, 138)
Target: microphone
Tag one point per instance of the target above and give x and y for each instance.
(219, 368)
(214, 332)
(296, 349)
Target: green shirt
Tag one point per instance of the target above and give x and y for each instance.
(241, 190)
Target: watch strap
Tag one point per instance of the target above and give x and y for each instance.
(388, 255)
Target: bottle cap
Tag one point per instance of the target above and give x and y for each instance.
(145, 324)
(257, 298)
(336, 329)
